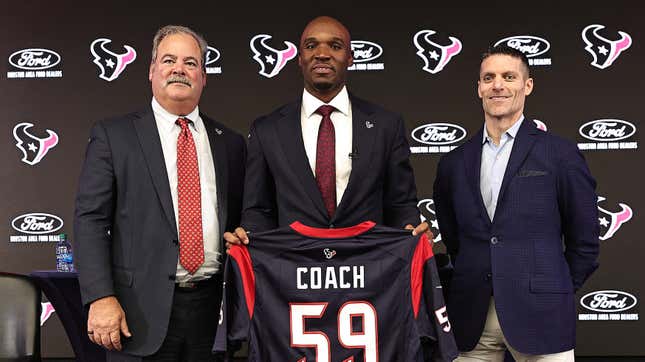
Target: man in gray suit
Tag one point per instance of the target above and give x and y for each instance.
(157, 190)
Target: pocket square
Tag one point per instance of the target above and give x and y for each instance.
(530, 173)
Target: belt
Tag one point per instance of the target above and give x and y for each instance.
(194, 285)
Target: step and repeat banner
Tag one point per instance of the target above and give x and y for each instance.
(64, 66)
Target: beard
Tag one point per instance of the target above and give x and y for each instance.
(323, 86)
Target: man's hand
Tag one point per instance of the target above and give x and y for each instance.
(105, 322)
(421, 228)
(238, 237)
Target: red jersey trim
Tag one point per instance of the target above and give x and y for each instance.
(422, 253)
(331, 233)
(243, 260)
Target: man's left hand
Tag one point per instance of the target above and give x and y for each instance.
(421, 228)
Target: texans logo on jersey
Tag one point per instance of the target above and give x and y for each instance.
(603, 50)
(426, 207)
(271, 60)
(110, 63)
(33, 148)
(329, 253)
(610, 222)
(435, 56)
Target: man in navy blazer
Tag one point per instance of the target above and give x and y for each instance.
(516, 207)
(374, 179)
(129, 214)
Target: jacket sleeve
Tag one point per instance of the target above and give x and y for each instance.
(400, 193)
(577, 201)
(444, 209)
(94, 217)
(260, 206)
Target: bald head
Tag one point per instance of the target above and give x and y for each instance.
(325, 22)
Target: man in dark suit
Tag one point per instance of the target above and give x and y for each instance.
(516, 207)
(329, 159)
(157, 190)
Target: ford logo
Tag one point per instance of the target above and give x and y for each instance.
(608, 301)
(34, 59)
(531, 46)
(364, 51)
(37, 223)
(607, 130)
(212, 55)
(437, 134)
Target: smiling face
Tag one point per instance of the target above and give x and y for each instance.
(325, 54)
(503, 86)
(177, 75)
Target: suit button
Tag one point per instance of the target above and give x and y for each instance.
(175, 241)
(172, 277)
(331, 226)
(493, 240)
(489, 276)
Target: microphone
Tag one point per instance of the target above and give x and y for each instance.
(353, 155)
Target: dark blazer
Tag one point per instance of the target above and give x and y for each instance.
(281, 188)
(125, 230)
(547, 203)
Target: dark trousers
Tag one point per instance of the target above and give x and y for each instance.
(192, 326)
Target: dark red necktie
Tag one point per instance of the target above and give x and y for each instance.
(189, 195)
(326, 159)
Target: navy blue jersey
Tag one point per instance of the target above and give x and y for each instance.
(364, 293)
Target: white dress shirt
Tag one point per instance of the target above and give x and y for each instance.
(342, 120)
(168, 133)
(494, 161)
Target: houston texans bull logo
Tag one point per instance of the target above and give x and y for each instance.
(33, 148)
(110, 63)
(610, 222)
(604, 51)
(271, 60)
(46, 311)
(435, 56)
(426, 207)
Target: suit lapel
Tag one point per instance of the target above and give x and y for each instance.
(363, 133)
(472, 162)
(523, 143)
(290, 134)
(148, 135)
(220, 160)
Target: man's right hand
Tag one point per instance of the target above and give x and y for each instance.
(106, 322)
(238, 237)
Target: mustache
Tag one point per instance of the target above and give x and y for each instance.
(178, 79)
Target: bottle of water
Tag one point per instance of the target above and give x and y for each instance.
(64, 256)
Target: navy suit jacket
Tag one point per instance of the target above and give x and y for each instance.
(281, 188)
(125, 231)
(540, 247)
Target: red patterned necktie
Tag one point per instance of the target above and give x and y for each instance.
(326, 159)
(189, 195)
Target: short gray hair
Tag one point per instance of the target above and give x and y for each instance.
(178, 29)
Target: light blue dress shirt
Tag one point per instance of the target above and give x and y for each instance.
(494, 161)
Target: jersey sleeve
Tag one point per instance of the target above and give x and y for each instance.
(238, 301)
(432, 318)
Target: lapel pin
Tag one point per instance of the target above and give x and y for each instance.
(369, 124)
(218, 131)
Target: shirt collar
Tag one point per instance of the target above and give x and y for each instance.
(168, 119)
(512, 132)
(341, 102)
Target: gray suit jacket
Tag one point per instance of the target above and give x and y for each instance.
(125, 231)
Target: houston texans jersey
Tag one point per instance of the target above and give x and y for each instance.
(364, 293)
